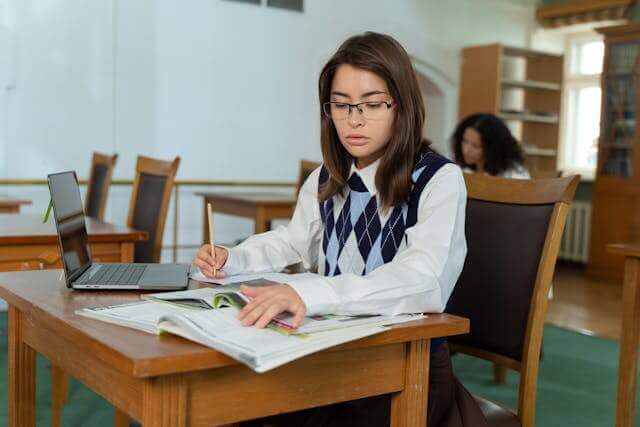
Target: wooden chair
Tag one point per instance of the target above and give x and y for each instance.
(513, 230)
(306, 167)
(100, 175)
(499, 371)
(149, 204)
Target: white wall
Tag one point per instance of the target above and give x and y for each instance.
(229, 87)
(62, 101)
(233, 79)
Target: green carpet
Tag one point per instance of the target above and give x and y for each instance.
(576, 383)
(576, 387)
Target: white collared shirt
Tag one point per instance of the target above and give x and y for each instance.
(420, 278)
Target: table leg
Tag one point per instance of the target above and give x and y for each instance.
(120, 419)
(126, 252)
(628, 365)
(22, 375)
(262, 224)
(499, 374)
(164, 402)
(59, 394)
(409, 407)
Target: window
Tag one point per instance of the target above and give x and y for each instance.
(584, 55)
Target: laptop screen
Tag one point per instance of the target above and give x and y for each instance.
(69, 218)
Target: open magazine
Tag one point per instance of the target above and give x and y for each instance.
(209, 316)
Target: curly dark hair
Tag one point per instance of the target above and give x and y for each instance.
(501, 150)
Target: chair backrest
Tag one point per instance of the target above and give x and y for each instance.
(149, 204)
(513, 230)
(306, 167)
(95, 203)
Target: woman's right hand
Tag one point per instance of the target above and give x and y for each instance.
(206, 263)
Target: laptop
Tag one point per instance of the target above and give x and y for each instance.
(80, 271)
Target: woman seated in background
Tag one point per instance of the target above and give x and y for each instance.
(482, 143)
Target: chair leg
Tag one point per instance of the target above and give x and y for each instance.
(59, 394)
(499, 374)
(120, 419)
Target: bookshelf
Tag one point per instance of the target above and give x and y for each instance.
(616, 193)
(521, 86)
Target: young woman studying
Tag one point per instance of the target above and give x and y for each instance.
(482, 143)
(382, 221)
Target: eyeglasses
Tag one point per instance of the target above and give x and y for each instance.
(376, 110)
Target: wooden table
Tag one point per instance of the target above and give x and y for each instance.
(168, 381)
(629, 335)
(11, 204)
(261, 207)
(25, 237)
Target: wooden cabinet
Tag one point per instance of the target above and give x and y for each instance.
(521, 86)
(616, 195)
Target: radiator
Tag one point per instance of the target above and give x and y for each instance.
(575, 239)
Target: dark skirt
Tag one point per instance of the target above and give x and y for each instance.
(450, 404)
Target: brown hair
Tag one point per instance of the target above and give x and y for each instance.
(385, 57)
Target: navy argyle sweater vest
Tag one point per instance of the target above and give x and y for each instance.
(357, 237)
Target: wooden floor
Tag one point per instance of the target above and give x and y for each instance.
(589, 306)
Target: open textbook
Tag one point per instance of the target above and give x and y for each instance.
(210, 298)
(209, 316)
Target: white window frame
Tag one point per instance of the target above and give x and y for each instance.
(574, 81)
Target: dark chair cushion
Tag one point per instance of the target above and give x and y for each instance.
(494, 291)
(94, 198)
(496, 415)
(146, 214)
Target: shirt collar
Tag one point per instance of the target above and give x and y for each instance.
(367, 174)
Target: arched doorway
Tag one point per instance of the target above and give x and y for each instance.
(439, 94)
(434, 119)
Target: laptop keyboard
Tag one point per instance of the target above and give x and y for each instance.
(115, 274)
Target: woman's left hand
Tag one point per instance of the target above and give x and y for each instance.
(268, 302)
